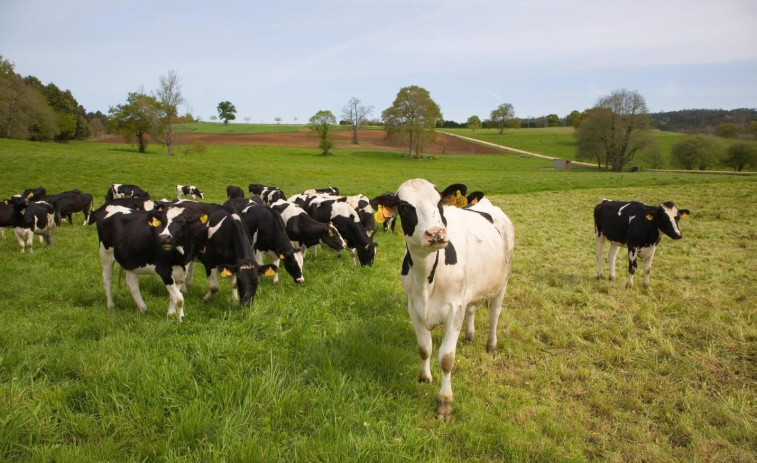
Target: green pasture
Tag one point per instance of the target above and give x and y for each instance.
(326, 371)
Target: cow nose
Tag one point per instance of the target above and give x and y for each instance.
(436, 235)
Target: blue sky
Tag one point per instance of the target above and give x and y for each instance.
(290, 59)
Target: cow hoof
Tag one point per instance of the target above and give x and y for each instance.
(444, 412)
(469, 338)
(492, 350)
(424, 379)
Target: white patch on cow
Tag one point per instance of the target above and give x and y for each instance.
(112, 210)
(630, 219)
(212, 230)
(172, 213)
(672, 213)
(620, 211)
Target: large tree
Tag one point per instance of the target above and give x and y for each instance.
(24, 112)
(501, 116)
(742, 154)
(226, 112)
(697, 152)
(615, 130)
(321, 124)
(412, 118)
(356, 114)
(132, 120)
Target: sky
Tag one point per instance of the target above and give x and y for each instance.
(290, 59)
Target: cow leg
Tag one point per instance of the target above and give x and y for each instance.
(212, 284)
(176, 301)
(353, 254)
(24, 238)
(600, 255)
(612, 256)
(470, 326)
(2, 232)
(107, 260)
(648, 256)
(423, 335)
(132, 281)
(189, 277)
(234, 289)
(447, 362)
(633, 254)
(495, 308)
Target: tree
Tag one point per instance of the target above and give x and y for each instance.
(226, 112)
(278, 120)
(728, 130)
(355, 114)
(24, 111)
(740, 155)
(474, 123)
(321, 124)
(412, 119)
(752, 129)
(553, 120)
(169, 97)
(501, 116)
(615, 130)
(573, 119)
(133, 119)
(697, 152)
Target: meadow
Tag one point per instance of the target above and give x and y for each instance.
(326, 371)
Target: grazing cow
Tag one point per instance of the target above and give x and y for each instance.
(67, 203)
(330, 191)
(143, 243)
(32, 218)
(362, 205)
(188, 190)
(35, 194)
(269, 194)
(455, 259)
(636, 226)
(346, 220)
(6, 216)
(233, 191)
(304, 231)
(118, 190)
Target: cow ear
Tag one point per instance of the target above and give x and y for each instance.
(475, 197)
(203, 219)
(154, 221)
(227, 270)
(268, 270)
(387, 200)
(454, 195)
(684, 213)
(331, 230)
(649, 216)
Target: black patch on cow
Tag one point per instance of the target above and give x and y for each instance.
(409, 218)
(407, 263)
(485, 215)
(450, 254)
(433, 269)
(441, 213)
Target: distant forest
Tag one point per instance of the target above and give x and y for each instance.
(699, 120)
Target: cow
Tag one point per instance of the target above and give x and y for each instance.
(269, 236)
(35, 194)
(31, 218)
(636, 226)
(269, 194)
(6, 216)
(304, 231)
(188, 190)
(69, 202)
(346, 220)
(362, 205)
(147, 242)
(330, 191)
(233, 191)
(455, 259)
(136, 204)
(118, 190)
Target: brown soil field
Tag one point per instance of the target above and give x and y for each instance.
(367, 139)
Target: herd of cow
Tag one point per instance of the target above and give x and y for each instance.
(459, 247)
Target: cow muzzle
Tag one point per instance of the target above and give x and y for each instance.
(165, 242)
(436, 236)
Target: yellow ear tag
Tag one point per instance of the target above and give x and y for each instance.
(226, 273)
(460, 200)
(281, 256)
(331, 232)
(204, 219)
(269, 272)
(30, 195)
(650, 217)
(684, 216)
(378, 216)
(155, 222)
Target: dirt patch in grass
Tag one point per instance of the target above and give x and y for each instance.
(367, 139)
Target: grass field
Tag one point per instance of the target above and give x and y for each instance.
(326, 371)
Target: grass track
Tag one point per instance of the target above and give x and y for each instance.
(587, 371)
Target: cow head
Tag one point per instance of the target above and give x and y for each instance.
(366, 253)
(333, 239)
(421, 208)
(247, 273)
(174, 227)
(667, 216)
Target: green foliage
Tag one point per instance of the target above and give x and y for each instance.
(501, 115)
(697, 152)
(412, 119)
(553, 120)
(741, 155)
(326, 371)
(226, 112)
(728, 130)
(132, 120)
(24, 112)
(321, 123)
(473, 123)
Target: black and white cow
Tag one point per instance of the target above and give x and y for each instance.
(455, 259)
(118, 190)
(31, 218)
(269, 194)
(146, 243)
(233, 191)
(68, 203)
(330, 191)
(304, 231)
(636, 226)
(6, 216)
(35, 194)
(188, 190)
(346, 220)
(362, 205)
(135, 204)
(269, 236)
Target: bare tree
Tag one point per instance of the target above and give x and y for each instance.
(169, 98)
(356, 115)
